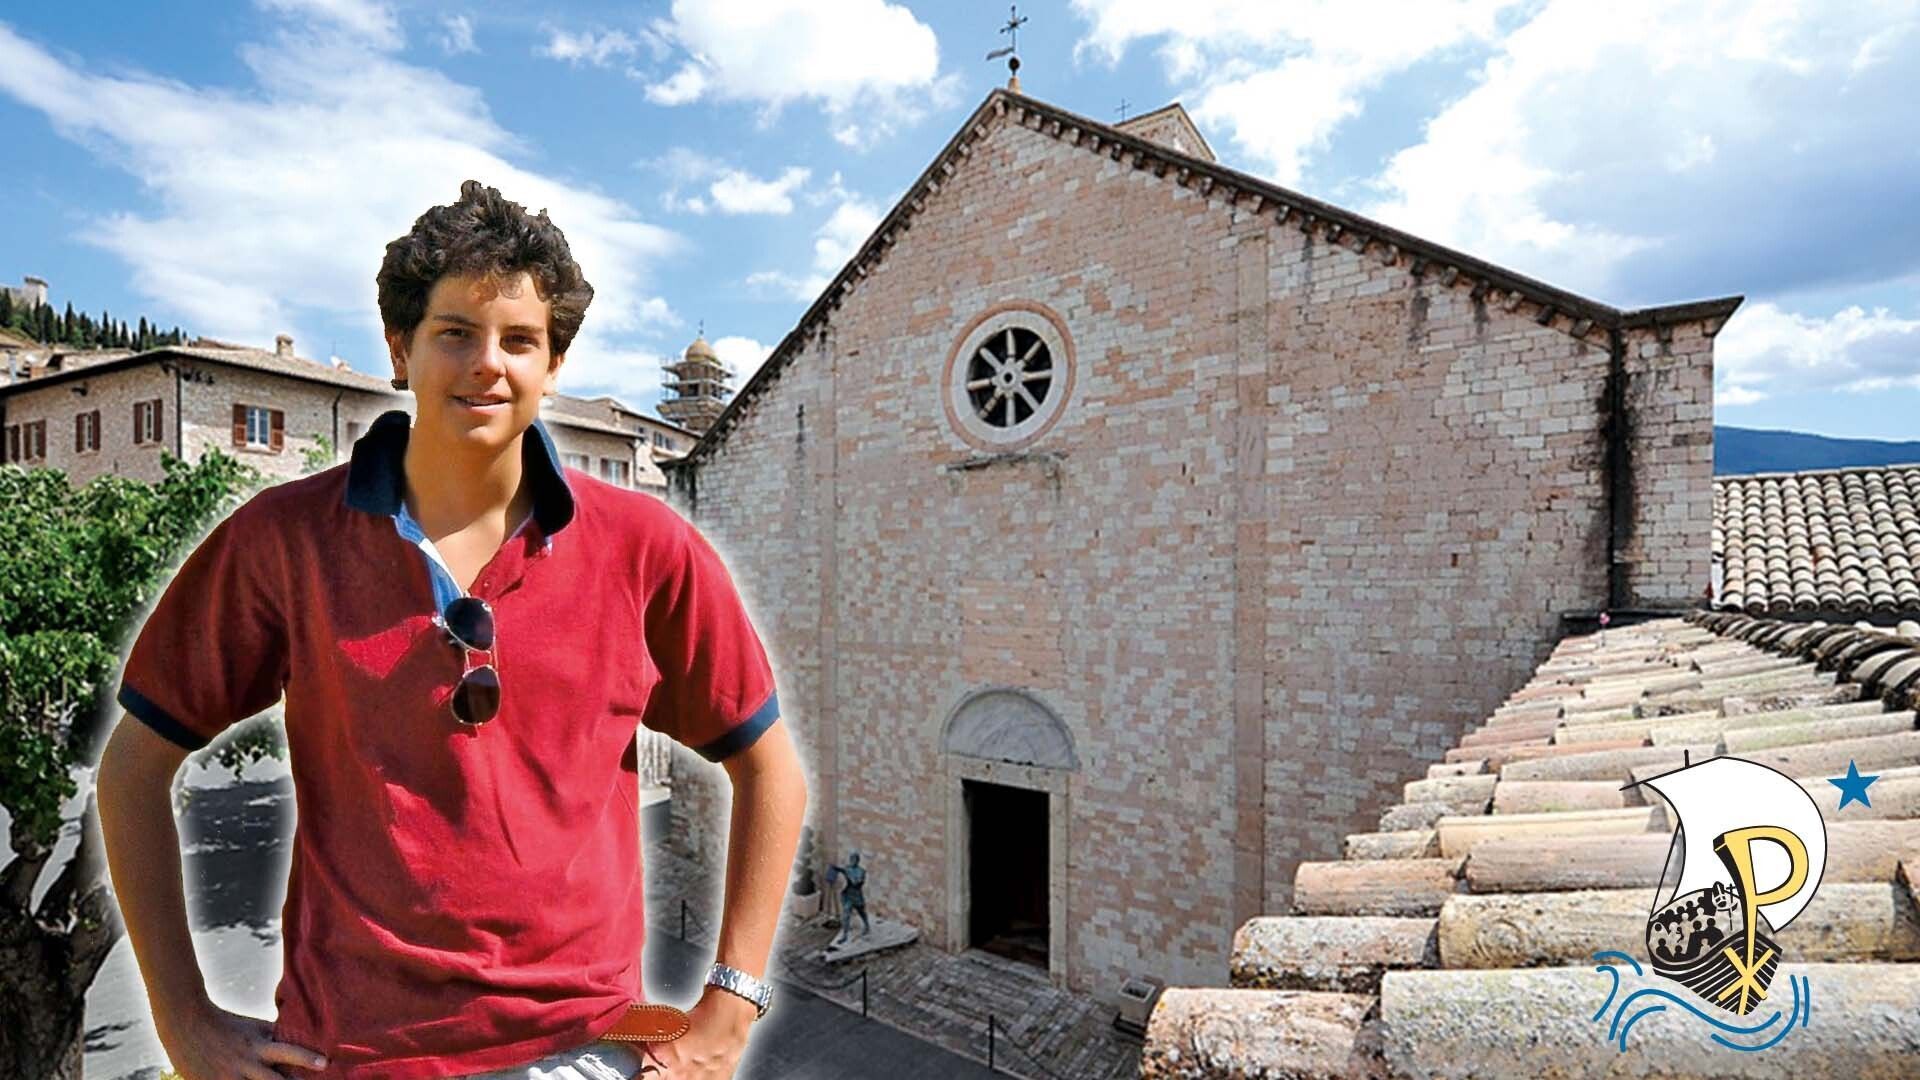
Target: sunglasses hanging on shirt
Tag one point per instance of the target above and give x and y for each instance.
(468, 622)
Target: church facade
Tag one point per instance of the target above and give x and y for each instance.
(1125, 530)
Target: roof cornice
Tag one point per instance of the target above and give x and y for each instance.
(1575, 315)
(124, 363)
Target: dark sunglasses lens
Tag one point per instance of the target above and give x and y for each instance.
(477, 697)
(471, 620)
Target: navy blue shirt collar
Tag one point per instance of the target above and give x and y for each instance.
(376, 474)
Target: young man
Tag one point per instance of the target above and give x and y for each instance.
(466, 635)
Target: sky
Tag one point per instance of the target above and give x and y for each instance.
(238, 168)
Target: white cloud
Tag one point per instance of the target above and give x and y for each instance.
(367, 20)
(834, 242)
(262, 209)
(457, 35)
(1765, 352)
(737, 192)
(855, 58)
(597, 49)
(1641, 152)
(742, 356)
(1281, 78)
(845, 230)
(1682, 149)
(726, 189)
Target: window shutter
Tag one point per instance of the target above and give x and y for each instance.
(79, 432)
(159, 428)
(93, 431)
(138, 408)
(239, 425)
(279, 428)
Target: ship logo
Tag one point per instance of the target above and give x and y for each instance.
(1752, 847)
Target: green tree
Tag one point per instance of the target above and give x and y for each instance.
(76, 567)
(318, 457)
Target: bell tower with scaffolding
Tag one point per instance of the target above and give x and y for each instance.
(697, 389)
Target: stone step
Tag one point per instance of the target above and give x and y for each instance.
(1196, 1033)
(1535, 1023)
(1400, 887)
(1550, 796)
(1844, 921)
(1460, 835)
(1467, 766)
(1604, 764)
(1345, 953)
(1857, 851)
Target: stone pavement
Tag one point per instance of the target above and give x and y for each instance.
(942, 998)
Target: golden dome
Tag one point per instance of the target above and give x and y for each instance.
(700, 350)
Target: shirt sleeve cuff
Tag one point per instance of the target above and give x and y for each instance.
(743, 734)
(142, 708)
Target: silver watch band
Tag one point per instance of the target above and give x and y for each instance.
(735, 981)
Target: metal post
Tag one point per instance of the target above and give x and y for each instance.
(863, 992)
(683, 919)
(990, 1023)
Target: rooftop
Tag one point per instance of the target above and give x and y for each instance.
(1834, 540)
(1461, 938)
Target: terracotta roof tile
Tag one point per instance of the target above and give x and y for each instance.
(1844, 540)
(1469, 941)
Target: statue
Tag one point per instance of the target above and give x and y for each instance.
(852, 898)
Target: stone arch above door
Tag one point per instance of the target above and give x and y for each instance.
(1010, 725)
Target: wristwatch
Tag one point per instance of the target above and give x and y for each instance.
(735, 981)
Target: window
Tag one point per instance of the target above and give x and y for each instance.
(1009, 375)
(660, 440)
(146, 422)
(353, 432)
(33, 441)
(259, 427)
(86, 432)
(10, 452)
(577, 461)
(613, 471)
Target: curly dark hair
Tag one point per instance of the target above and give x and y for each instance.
(484, 233)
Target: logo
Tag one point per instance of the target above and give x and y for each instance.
(1751, 850)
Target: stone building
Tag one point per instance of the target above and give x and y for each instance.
(1124, 529)
(30, 293)
(105, 411)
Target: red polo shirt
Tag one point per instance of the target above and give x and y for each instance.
(459, 899)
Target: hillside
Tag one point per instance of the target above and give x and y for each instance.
(1746, 450)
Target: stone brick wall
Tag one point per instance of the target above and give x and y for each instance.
(113, 394)
(1308, 513)
(1669, 398)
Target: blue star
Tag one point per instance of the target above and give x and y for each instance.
(1853, 786)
